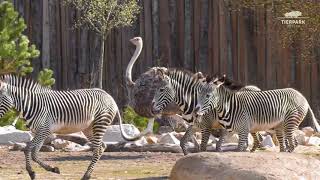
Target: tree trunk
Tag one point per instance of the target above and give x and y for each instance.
(100, 64)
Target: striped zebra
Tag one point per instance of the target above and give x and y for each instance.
(49, 111)
(181, 87)
(251, 111)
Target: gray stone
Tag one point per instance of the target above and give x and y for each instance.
(168, 138)
(113, 136)
(313, 141)
(18, 146)
(308, 131)
(46, 148)
(246, 166)
(11, 134)
(267, 142)
(60, 143)
(300, 137)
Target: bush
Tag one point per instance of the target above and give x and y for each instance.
(131, 117)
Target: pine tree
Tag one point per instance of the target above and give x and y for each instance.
(16, 54)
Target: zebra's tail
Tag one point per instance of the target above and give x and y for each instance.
(316, 125)
(127, 137)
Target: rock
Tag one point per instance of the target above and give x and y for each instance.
(165, 129)
(50, 139)
(267, 142)
(78, 138)
(246, 166)
(152, 140)
(308, 131)
(213, 139)
(141, 142)
(168, 138)
(250, 140)
(73, 147)
(231, 138)
(313, 141)
(198, 135)
(178, 135)
(113, 136)
(300, 136)
(18, 146)
(46, 148)
(10, 133)
(60, 143)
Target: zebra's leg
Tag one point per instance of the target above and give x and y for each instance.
(223, 133)
(188, 134)
(98, 147)
(288, 130)
(205, 132)
(279, 134)
(243, 140)
(256, 141)
(32, 150)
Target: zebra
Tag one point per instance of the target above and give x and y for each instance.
(251, 111)
(49, 111)
(181, 87)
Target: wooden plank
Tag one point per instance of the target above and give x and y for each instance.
(142, 58)
(216, 39)
(188, 46)
(210, 37)
(242, 68)
(260, 35)
(203, 44)
(173, 33)
(45, 35)
(181, 34)
(64, 46)
(148, 32)
(35, 35)
(269, 60)
(165, 50)
(155, 32)
(234, 27)
(222, 38)
(196, 33)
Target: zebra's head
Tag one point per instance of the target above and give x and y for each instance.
(208, 96)
(163, 96)
(5, 101)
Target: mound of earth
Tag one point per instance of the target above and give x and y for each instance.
(246, 166)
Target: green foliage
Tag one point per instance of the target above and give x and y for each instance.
(16, 54)
(140, 122)
(45, 78)
(102, 16)
(15, 50)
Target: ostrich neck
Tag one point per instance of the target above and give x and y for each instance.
(130, 65)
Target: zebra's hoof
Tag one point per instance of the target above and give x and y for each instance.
(85, 177)
(32, 175)
(56, 170)
(218, 149)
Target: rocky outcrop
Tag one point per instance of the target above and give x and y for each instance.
(246, 166)
(9, 134)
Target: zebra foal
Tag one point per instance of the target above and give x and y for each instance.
(49, 111)
(251, 111)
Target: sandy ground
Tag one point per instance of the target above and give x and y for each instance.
(112, 165)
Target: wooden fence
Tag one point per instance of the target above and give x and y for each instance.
(199, 35)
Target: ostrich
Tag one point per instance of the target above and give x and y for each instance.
(141, 92)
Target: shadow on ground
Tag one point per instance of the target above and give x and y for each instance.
(89, 157)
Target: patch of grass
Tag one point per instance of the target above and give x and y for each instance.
(131, 117)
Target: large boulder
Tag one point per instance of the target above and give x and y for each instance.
(168, 138)
(246, 166)
(9, 134)
(113, 135)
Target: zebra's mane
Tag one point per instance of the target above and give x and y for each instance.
(228, 82)
(22, 82)
(190, 76)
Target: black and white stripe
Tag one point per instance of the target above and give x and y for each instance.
(49, 111)
(251, 111)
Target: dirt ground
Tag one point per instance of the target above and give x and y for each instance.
(112, 165)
